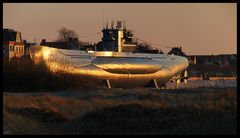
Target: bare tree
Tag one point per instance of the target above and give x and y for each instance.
(65, 34)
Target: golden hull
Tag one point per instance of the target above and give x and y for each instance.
(125, 70)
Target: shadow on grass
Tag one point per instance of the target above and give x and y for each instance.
(137, 119)
(41, 115)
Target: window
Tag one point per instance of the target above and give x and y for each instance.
(11, 48)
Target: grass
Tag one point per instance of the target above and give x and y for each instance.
(23, 75)
(138, 119)
(126, 111)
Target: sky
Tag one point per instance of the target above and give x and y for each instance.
(199, 28)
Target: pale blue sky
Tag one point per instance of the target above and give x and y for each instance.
(199, 28)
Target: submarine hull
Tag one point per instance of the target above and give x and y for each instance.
(114, 69)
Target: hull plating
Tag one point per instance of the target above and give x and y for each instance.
(121, 69)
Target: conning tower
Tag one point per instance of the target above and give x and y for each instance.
(118, 39)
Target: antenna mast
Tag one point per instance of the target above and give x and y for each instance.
(103, 19)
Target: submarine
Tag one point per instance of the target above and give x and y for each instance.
(115, 66)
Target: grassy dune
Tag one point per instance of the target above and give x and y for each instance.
(122, 111)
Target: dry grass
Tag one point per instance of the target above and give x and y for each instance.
(22, 75)
(134, 111)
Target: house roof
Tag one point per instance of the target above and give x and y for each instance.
(62, 45)
(177, 51)
(9, 35)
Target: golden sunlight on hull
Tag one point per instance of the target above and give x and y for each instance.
(123, 70)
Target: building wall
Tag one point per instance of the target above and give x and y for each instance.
(11, 49)
(5, 51)
(19, 50)
(12, 43)
(18, 37)
(213, 59)
(8, 50)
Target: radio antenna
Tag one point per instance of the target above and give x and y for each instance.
(103, 19)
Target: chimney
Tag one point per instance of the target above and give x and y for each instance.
(43, 41)
(24, 42)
